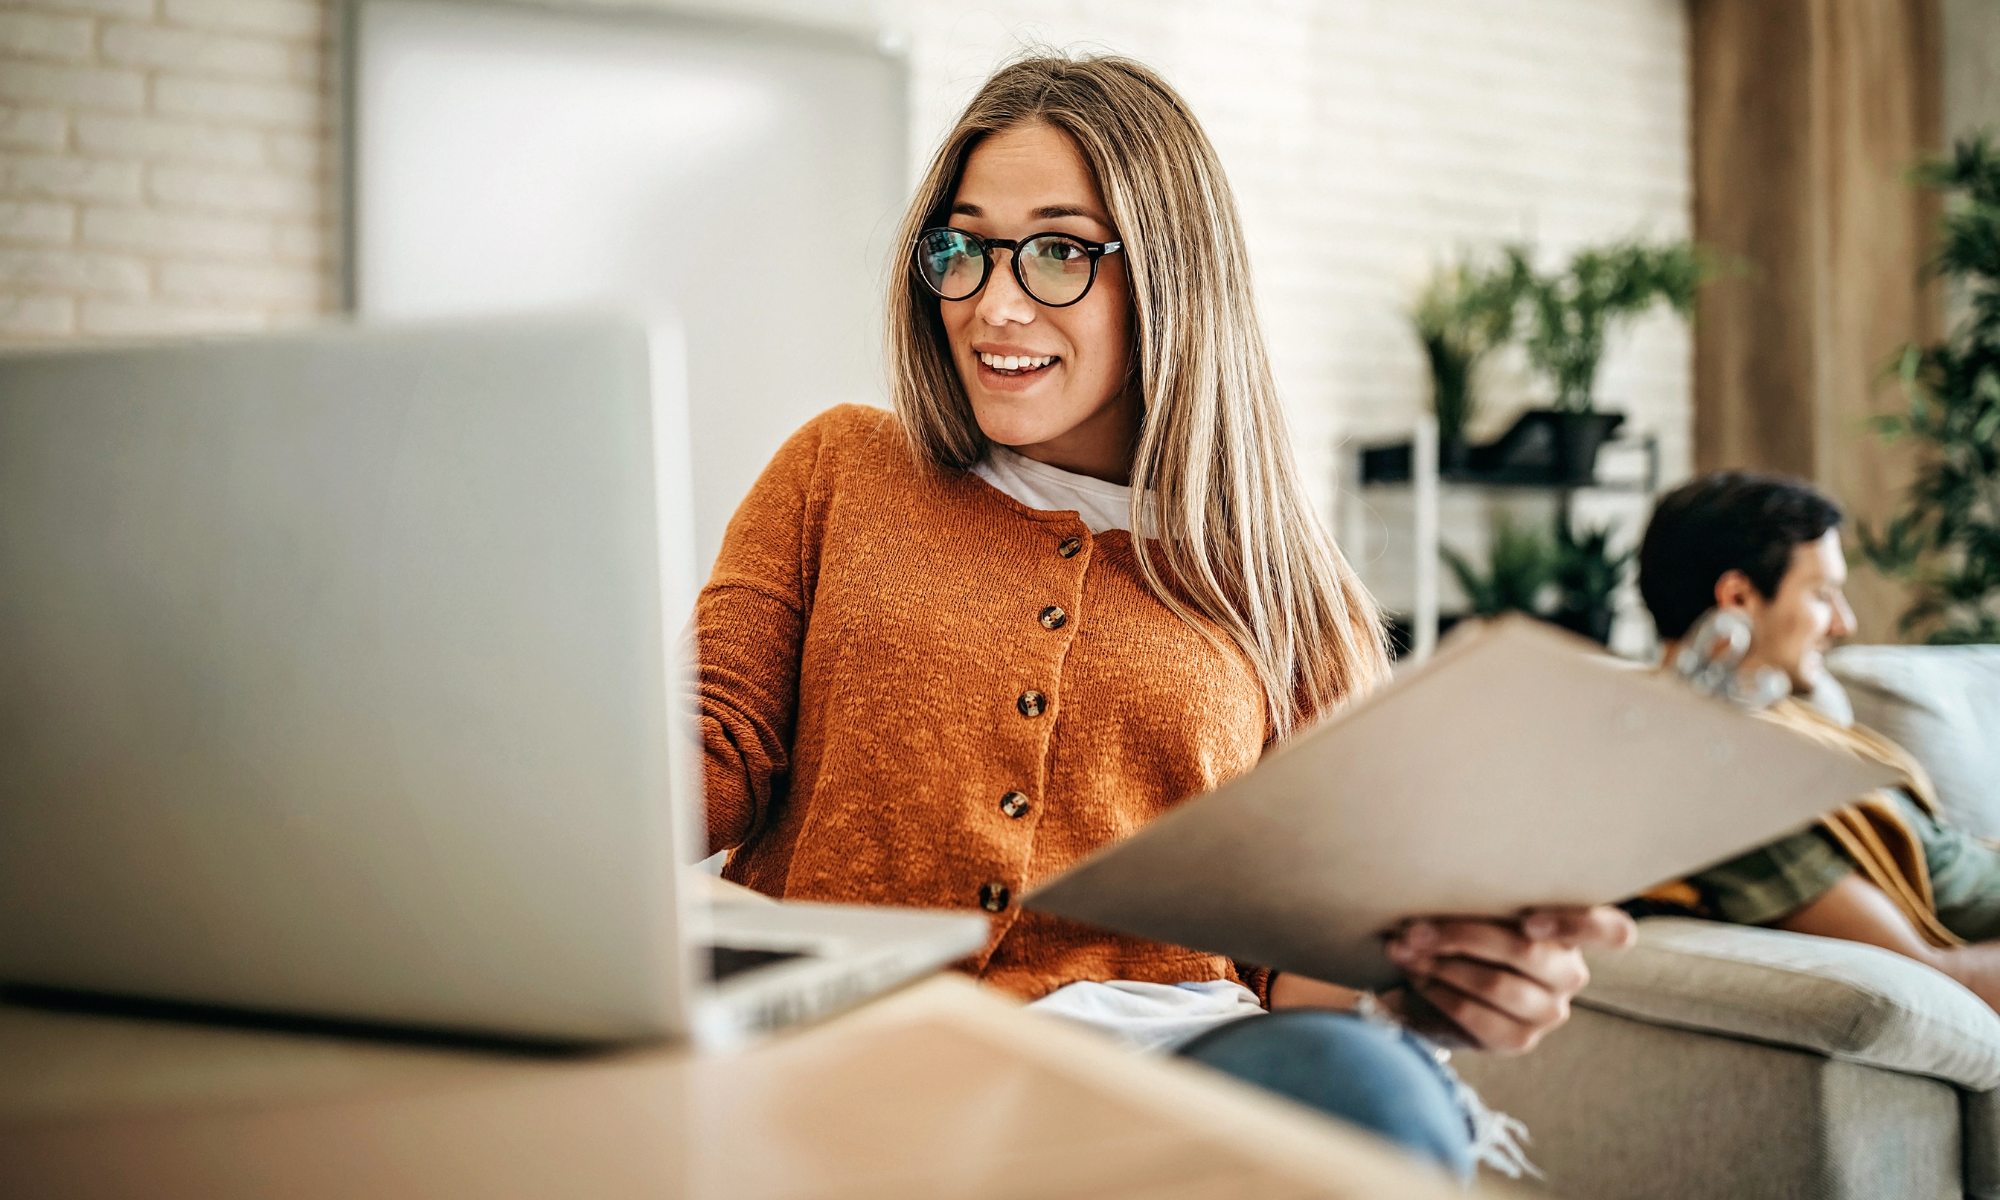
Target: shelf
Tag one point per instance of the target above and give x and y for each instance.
(1640, 486)
(1393, 468)
(1413, 467)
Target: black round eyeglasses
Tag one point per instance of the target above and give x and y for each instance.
(1055, 269)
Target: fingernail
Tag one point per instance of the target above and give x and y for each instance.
(1421, 935)
(1539, 926)
(1400, 952)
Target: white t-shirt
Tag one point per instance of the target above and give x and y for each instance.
(1045, 488)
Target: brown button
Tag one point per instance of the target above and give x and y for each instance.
(1054, 617)
(993, 897)
(1031, 704)
(1069, 547)
(1014, 804)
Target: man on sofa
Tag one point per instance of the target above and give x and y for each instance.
(1886, 870)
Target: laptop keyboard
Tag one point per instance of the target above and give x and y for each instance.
(724, 961)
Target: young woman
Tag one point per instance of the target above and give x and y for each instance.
(1072, 581)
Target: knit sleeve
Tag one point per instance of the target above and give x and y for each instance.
(750, 624)
(1257, 979)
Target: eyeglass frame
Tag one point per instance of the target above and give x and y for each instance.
(1096, 250)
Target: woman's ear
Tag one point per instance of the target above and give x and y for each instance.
(1734, 590)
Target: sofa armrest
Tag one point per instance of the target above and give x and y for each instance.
(1840, 999)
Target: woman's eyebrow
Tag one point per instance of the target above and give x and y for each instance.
(1047, 212)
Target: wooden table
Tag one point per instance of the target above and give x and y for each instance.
(941, 1090)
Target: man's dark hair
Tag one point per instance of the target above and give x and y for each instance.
(1722, 522)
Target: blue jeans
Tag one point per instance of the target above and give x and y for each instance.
(1363, 1072)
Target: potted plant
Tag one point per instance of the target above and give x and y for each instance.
(1520, 567)
(1570, 313)
(1587, 575)
(1463, 313)
(1946, 541)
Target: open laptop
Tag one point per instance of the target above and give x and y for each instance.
(340, 676)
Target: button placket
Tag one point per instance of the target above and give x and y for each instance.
(1033, 703)
(994, 896)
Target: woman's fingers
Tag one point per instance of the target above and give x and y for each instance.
(1479, 1024)
(1512, 995)
(1547, 963)
(1599, 928)
(1503, 985)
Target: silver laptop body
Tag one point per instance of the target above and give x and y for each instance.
(339, 677)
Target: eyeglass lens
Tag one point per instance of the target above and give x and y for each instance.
(953, 265)
(1053, 269)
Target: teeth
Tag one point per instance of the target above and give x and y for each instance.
(1016, 362)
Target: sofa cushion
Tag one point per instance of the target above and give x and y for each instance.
(1942, 704)
(1841, 999)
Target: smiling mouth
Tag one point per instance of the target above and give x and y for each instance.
(1018, 364)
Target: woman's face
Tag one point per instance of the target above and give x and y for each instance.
(1075, 412)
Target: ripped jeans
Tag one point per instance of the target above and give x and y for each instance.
(1368, 1073)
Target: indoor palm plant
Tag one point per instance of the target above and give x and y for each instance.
(1520, 567)
(1568, 315)
(1571, 578)
(1464, 312)
(1946, 541)
(1571, 312)
(1588, 576)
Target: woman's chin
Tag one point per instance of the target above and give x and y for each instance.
(1015, 424)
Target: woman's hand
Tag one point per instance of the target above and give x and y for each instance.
(1499, 985)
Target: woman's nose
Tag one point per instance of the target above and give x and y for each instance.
(1001, 301)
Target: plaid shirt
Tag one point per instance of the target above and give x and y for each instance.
(1774, 881)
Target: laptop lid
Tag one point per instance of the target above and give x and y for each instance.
(258, 745)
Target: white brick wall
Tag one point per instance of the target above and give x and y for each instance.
(1367, 139)
(164, 166)
(164, 163)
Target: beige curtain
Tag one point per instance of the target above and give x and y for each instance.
(1807, 115)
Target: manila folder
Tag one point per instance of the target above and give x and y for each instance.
(1519, 767)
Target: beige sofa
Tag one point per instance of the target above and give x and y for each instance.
(1720, 1061)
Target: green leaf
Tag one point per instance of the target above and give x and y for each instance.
(1464, 312)
(1520, 566)
(1945, 540)
(1571, 313)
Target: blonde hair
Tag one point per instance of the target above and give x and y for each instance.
(1237, 541)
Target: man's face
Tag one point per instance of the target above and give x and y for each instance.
(1791, 630)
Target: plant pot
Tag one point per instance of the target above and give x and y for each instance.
(1545, 446)
(1593, 623)
(1581, 436)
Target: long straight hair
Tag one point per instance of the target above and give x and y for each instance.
(1236, 540)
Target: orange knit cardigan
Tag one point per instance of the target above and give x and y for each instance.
(915, 690)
